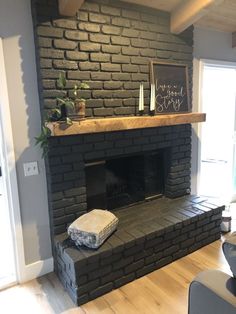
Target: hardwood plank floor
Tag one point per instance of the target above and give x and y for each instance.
(163, 291)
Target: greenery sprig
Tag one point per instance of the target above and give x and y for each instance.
(42, 140)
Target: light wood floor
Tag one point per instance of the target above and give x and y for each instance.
(162, 291)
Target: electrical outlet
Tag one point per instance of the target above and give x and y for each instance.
(31, 168)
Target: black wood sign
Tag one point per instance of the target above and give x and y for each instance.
(171, 87)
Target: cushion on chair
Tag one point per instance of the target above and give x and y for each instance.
(212, 292)
(93, 228)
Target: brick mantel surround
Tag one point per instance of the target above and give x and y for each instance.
(69, 154)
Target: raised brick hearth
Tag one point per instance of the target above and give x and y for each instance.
(149, 236)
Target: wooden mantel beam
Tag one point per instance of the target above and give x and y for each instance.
(89, 126)
(188, 12)
(69, 7)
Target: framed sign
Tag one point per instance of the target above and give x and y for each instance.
(171, 87)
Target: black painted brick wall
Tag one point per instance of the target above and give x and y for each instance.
(67, 157)
(108, 45)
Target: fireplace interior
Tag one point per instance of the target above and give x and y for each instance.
(125, 180)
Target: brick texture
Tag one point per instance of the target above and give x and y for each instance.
(110, 39)
(134, 252)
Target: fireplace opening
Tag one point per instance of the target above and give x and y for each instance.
(122, 181)
(95, 184)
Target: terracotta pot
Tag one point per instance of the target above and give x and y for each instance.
(78, 112)
(80, 108)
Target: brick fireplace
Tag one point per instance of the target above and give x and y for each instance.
(109, 45)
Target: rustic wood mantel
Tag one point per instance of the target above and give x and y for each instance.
(123, 123)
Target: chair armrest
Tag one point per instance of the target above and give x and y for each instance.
(229, 249)
(212, 292)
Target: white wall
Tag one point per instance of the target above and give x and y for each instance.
(214, 45)
(16, 29)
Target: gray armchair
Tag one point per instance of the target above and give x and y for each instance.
(212, 291)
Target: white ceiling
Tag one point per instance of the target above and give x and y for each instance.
(220, 16)
(215, 14)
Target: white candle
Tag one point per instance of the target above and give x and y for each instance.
(141, 98)
(152, 98)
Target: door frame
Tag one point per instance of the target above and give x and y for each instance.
(197, 106)
(9, 171)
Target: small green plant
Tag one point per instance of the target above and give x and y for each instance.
(69, 102)
(60, 113)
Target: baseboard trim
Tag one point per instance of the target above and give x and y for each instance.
(36, 269)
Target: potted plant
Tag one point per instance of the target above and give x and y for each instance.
(67, 110)
(75, 107)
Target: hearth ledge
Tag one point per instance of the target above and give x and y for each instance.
(123, 123)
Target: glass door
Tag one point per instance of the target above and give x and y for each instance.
(217, 169)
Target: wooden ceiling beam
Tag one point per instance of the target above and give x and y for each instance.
(189, 12)
(69, 7)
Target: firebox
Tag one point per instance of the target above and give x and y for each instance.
(126, 180)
